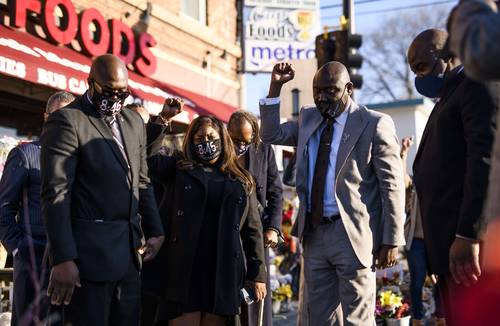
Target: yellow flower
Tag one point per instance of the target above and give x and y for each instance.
(390, 300)
(386, 298)
(397, 301)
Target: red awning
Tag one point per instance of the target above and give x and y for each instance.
(27, 57)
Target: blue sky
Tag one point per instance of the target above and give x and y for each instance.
(257, 85)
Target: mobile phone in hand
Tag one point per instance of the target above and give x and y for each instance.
(247, 295)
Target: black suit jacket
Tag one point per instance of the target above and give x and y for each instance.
(262, 166)
(452, 164)
(20, 202)
(92, 199)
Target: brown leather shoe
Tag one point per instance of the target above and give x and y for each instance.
(440, 322)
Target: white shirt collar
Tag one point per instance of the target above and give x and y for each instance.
(88, 97)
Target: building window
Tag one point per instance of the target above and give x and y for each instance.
(295, 102)
(196, 9)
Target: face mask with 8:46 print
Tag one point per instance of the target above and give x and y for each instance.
(208, 150)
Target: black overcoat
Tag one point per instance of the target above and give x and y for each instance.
(240, 250)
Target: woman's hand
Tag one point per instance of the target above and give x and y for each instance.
(172, 107)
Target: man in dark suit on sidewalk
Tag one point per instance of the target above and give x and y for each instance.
(21, 227)
(97, 201)
(452, 164)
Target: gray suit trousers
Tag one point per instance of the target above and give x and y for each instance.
(341, 291)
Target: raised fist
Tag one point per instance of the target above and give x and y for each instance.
(406, 143)
(282, 73)
(172, 107)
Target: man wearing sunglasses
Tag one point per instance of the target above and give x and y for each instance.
(96, 202)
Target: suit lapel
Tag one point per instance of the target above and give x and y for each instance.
(104, 130)
(449, 90)
(310, 128)
(128, 141)
(354, 127)
(106, 133)
(426, 131)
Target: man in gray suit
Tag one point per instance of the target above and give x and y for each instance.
(350, 185)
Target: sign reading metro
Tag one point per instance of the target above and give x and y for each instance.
(278, 30)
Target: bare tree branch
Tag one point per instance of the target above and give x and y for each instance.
(385, 49)
(382, 80)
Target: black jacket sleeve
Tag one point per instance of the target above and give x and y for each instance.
(161, 167)
(274, 194)
(59, 159)
(151, 222)
(13, 180)
(478, 118)
(253, 242)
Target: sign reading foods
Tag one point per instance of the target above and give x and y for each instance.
(279, 30)
(94, 34)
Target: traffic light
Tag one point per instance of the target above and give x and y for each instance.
(341, 46)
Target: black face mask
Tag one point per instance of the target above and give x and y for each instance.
(107, 106)
(241, 148)
(330, 108)
(208, 150)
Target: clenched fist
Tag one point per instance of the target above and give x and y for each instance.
(282, 73)
(172, 107)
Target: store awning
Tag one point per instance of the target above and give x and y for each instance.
(27, 57)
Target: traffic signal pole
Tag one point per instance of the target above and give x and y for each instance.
(348, 12)
(341, 45)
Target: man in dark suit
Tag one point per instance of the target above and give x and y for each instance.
(21, 227)
(96, 202)
(452, 163)
(259, 159)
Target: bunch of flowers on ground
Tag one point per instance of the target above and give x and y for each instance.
(283, 293)
(391, 300)
(391, 303)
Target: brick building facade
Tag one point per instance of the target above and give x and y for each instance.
(197, 53)
(200, 55)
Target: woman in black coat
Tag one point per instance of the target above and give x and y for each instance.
(258, 158)
(214, 222)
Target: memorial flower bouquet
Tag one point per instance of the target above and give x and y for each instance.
(283, 293)
(391, 304)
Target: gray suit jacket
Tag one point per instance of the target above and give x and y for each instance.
(369, 185)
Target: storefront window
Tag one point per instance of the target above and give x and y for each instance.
(196, 9)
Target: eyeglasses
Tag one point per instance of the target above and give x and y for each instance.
(110, 93)
(242, 143)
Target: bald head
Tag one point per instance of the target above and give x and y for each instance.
(109, 72)
(426, 49)
(331, 84)
(332, 88)
(333, 71)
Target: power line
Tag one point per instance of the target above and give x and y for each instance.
(371, 12)
(360, 2)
